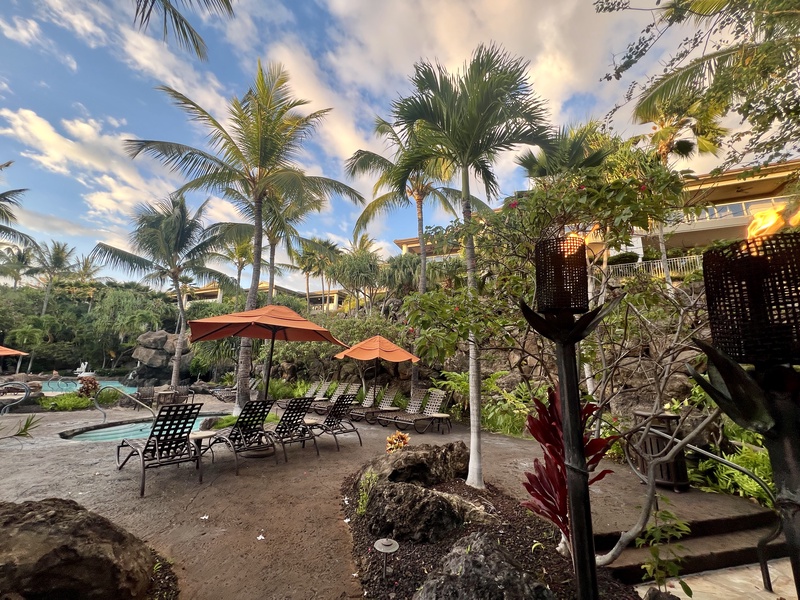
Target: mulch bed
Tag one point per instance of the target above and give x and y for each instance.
(529, 539)
(164, 582)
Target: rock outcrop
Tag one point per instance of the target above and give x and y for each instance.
(155, 351)
(55, 548)
(477, 567)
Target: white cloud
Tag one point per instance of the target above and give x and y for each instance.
(87, 154)
(28, 33)
(89, 20)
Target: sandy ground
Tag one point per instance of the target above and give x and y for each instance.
(276, 530)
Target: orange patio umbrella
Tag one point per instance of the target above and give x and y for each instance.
(377, 347)
(11, 352)
(267, 323)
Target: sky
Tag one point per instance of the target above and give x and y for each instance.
(78, 78)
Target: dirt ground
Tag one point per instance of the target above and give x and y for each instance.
(275, 531)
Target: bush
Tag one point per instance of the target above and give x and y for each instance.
(623, 258)
(279, 389)
(66, 402)
(229, 420)
(108, 397)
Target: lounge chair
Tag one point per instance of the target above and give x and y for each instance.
(168, 443)
(248, 433)
(183, 394)
(146, 395)
(291, 429)
(415, 415)
(316, 389)
(370, 414)
(321, 407)
(224, 394)
(335, 422)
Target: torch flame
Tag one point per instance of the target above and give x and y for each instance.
(765, 222)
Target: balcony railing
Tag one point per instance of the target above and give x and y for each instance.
(678, 267)
(743, 208)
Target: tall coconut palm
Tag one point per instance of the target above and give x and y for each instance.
(306, 260)
(174, 20)
(251, 161)
(239, 252)
(329, 253)
(682, 125)
(426, 184)
(168, 242)
(52, 261)
(466, 120)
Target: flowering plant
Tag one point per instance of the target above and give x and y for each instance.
(89, 387)
(396, 441)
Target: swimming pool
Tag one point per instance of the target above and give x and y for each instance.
(70, 385)
(111, 432)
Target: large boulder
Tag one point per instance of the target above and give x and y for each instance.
(55, 548)
(153, 339)
(152, 357)
(404, 511)
(426, 464)
(478, 567)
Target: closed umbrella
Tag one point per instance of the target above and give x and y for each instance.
(267, 323)
(377, 347)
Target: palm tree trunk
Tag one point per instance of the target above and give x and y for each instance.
(246, 347)
(176, 360)
(475, 471)
(308, 295)
(239, 270)
(271, 290)
(423, 278)
(47, 291)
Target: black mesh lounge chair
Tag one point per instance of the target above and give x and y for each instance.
(291, 429)
(414, 415)
(168, 443)
(370, 415)
(321, 407)
(247, 434)
(336, 423)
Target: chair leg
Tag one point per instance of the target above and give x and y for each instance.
(141, 485)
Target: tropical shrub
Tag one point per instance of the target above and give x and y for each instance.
(89, 386)
(547, 485)
(396, 441)
(623, 258)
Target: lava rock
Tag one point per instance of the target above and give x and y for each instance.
(426, 464)
(55, 548)
(478, 567)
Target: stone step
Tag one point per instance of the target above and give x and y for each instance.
(703, 553)
(754, 517)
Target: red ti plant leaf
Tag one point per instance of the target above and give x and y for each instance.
(547, 485)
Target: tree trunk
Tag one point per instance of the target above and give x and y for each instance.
(423, 276)
(662, 245)
(308, 295)
(246, 347)
(475, 472)
(271, 289)
(176, 360)
(47, 291)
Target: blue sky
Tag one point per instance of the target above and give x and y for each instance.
(78, 78)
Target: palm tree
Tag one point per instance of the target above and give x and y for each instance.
(16, 262)
(51, 262)
(466, 120)
(682, 126)
(426, 183)
(239, 252)
(251, 162)
(569, 150)
(329, 253)
(306, 260)
(168, 242)
(9, 200)
(173, 19)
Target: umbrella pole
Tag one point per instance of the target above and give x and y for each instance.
(268, 367)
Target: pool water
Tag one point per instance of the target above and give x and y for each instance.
(113, 433)
(65, 386)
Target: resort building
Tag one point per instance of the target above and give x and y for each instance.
(320, 301)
